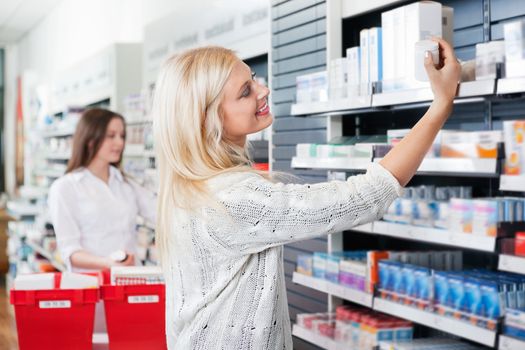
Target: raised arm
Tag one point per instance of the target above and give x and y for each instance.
(404, 159)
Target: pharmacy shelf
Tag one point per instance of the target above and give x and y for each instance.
(331, 163)
(429, 166)
(511, 86)
(509, 343)
(51, 173)
(457, 167)
(445, 324)
(355, 103)
(58, 156)
(472, 91)
(429, 235)
(138, 121)
(511, 263)
(353, 295)
(33, 192)
(46, 254)
(317, 339)
(58, 133)
(512, 183)
(467, 90)
(18, 209)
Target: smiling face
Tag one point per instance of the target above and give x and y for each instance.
(111, 149)
(244, 105)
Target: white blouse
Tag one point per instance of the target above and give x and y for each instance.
(100, 218)
(225, 286)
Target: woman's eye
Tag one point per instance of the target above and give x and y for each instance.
(246, 92)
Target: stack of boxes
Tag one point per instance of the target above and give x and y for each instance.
(386, 54)
(356, 327)
(353, 269)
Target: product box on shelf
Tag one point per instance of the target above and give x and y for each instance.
(305, 264)
(353, 57)
(488, 55)
(478, 144)
(375, 54)
(514, 323)
(365, 62)
(423, 20)
(461, 215)
(514, 135)
(514, 33)
(338, 79)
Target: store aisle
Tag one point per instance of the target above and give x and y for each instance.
(8, 338)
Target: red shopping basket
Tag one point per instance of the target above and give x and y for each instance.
(57, 319)
(135, 315)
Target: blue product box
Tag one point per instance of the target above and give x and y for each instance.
(332, 268)
(441, 288)
(397, 278)
(491, 300)
(514, 324)
(384, 275)
(304, 264)
(410, 283)
(457, 291)
(473, 297)
(403, 334)
(319, 265)
(423, 287)
(385, 334)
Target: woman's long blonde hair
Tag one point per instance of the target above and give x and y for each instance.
(188, 131)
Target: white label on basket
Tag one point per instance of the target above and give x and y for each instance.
(54, 304)
(143, 299)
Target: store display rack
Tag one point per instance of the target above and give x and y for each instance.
(446, 324)
(317, 339)
(429, 235)
(465, 167)
(353, 295)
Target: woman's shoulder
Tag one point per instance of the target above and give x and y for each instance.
(229, 180)
(66, 181)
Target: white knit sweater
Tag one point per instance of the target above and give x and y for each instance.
(224, 278)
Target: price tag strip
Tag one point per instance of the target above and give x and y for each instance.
(143, 299)
(54, 304)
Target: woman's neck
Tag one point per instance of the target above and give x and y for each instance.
(100, 169)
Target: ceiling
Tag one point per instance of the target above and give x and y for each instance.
(17, 17)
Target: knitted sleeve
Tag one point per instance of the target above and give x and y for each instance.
(261, 214)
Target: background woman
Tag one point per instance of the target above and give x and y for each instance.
(94, 207)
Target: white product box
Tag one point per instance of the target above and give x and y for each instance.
(388, 50)
(423, 20)
(365, 61)
(303, 91)
(488, 55)
(448, 24)
(37, 281)
(400, 54)
(319, 87)
(306, 150)
(70, 280)
(353, 59)
(375, 54)
(514, 33)
(338, 78)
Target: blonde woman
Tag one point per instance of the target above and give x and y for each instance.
(221, 225)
